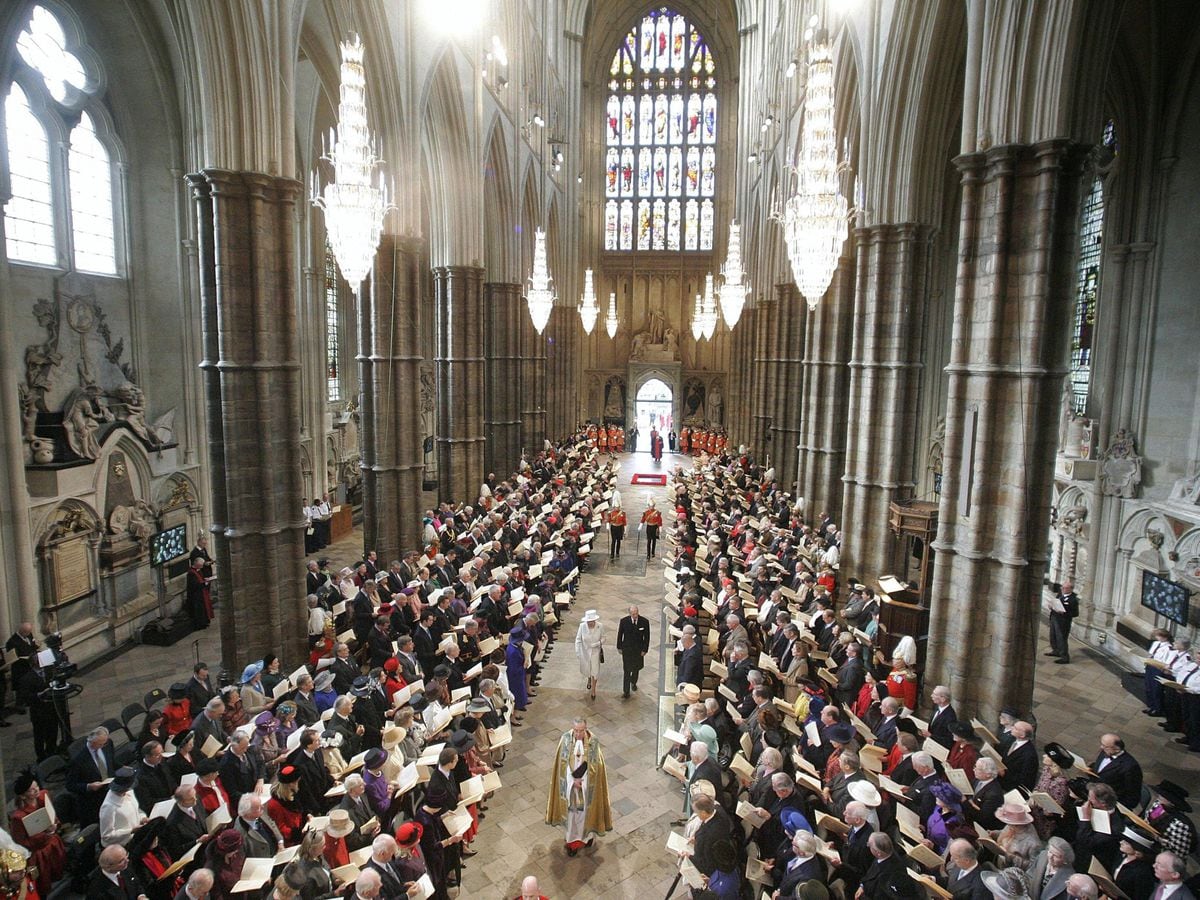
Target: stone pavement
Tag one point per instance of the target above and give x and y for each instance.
(1073, 704)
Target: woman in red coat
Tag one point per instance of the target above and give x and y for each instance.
(902, 683)
(963, 753)
(283, 809)
(47, 851)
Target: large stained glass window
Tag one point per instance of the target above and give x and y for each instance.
(1087, 283)
(661, 131)
(333, 381)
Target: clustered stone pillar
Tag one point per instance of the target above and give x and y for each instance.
(787, 331)
(760, 422)
(884, 368)
(502, 367)
(533, 385)
(562, 402)
(460, 323)
(246, 252)
(741, 380)
(1012, 317)
(390, 360)
(825, 395)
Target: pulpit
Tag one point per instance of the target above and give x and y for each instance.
(904, 609)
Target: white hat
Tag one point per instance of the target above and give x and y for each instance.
(864, 792)
(591, 616)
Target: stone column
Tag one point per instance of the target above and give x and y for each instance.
(502, 367)
(791, 317)
(246, 235)
(764, 313)
(741, 381)
(562, 404)
(889, 296)
(533, 384)
(1012, 317)
(824, 398)
(459, 362)
(390, 360)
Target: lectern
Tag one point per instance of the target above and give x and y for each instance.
(905, 610)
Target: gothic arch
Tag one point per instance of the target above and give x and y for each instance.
(445, 139)
(499, 215)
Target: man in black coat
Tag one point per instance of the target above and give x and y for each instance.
(887, 877)
(185, 823)
(1021, 761)
(988, 795)
(114, 880)
(855, 852)
(90, 766)
(1060, 623)
(633, 642)
(964, 877)
(344, 670)
(691, 660)
(379, 642)
(715, 827)
(315, 779)
(199, 688)
(850, 675)
(154, 782)
(942, 717)
(1120, 771)
(241, 769)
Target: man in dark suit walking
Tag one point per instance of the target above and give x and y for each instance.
(633, 642)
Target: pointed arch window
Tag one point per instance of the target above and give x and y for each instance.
(1087, 279)
(63, 208)
(333, 333)
(661, 118)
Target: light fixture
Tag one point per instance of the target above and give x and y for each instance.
(733, 289)
(538, 120)
(588, 310)
(540, 294)
(752, 158)
(354, 206)
(498, 52)
(697, 320)
(610, 321)
(816, 217)
(708, 310)
(790, 71)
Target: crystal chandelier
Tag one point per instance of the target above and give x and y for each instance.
(816, 217)
(588, 310)
(540, 295)
(354, 207)
(708, 311)
(610, 321)
(733, 290)
(697, 320)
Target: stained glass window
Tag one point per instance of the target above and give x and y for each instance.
(661, 110)
(1087, 284)
(332, 331)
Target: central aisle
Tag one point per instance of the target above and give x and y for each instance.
(632, 860)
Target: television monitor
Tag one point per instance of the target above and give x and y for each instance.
(168, 545)
(1165, 597)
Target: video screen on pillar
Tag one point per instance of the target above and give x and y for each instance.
(1167, 598)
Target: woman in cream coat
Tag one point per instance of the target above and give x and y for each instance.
(589, 647)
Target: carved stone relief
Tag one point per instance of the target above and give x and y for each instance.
(1121, 466)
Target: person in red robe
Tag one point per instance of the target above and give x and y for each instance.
(15, 881)
(656, 445)
(47, 852)
(199, 596)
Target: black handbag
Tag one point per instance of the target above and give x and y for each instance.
(601, 656)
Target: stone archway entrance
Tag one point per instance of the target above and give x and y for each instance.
(653, 408)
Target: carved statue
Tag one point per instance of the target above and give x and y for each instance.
(657, 326)
(1120, 467)
(671, 342)
(1186, 490)
(638, 350)
(716, 405)
(82, 415)
(1073, 520)
(133, 398)
(70, 520)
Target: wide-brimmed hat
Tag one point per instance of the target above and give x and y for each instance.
(375, 758)
(793, 820)
(1139, 838)
(864, 792)
(479, 705)
(462, 741)
(323, 681)
(961, 729)
(689, 693)
(1173, 794)
(340, 823)
(124, 778)
(841, 732)
(266, 722)
(252, 671)
(1059, 755)
(591, 616)
(703, 786)
(361, 686)
(409, 834)
(1008, 884)
(392, 736)
(207, 766)
(1014, 814)
(177, 691)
